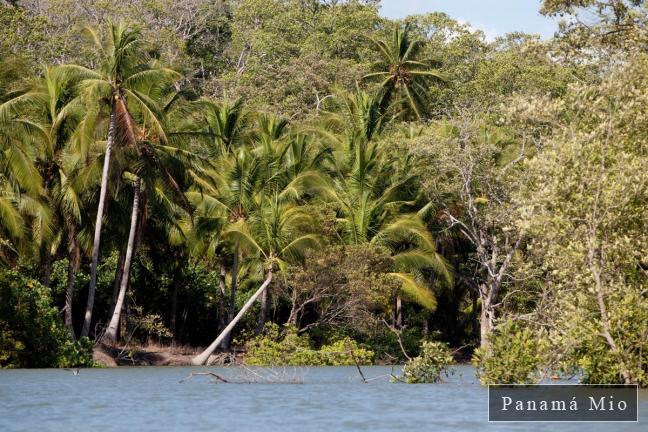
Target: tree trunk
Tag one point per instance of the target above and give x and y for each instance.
(605, 321)
(68, 299)
(292, 318)
(473, 313)
(119, 271)
(485, 323)
(235, 270)
(263, 310)
(398, 312)
(222, 300)
(204, 356)
(233, 289)
(174, 301)
(72, 264)
(97, 233)
(111, 333)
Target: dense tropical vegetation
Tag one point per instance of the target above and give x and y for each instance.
(304, 180)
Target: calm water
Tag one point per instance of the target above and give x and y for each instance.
(329, 399)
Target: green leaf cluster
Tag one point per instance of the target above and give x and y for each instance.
(286, 346)
(428, 367)
(31, 331)
(515, 355)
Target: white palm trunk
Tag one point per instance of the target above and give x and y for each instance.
(111, 333)
(97, 234)
(202, 358)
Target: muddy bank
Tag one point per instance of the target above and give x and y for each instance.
(112, 356)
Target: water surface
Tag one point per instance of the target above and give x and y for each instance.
(329, 399)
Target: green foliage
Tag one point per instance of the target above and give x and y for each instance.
(150, 326)
(428, 367)
(387, 347)
(31, 331)
(513, 355)
(586, 211)
(75, 353)
(531, 177)
(317, 45)
(403, 76)
(287, 347)
(348, 298)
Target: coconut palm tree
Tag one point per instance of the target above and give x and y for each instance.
(402, 75)
(233, 199)
(21, 187)
(376, 197)
(47, 105)
(224, 125)
(157, 162)
(248, 160)
(373, 200)
(20, 182)
(120, 83)
(276, 232)
(222, 197)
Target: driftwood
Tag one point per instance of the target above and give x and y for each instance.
(355, 360)
(216, 376)
(396, 378)
(246, 375)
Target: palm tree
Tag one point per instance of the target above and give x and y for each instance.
(235, 212)
(401, 73)
(120, 83)
(156, 163)
(53, 116)
(223, 197)
(111, 332)
(371, 199)
(277, 232)
(225, 125)
(19, 179)
(21, 183)
(375, 196)
(249, 161)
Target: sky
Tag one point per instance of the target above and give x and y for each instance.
(493, 17)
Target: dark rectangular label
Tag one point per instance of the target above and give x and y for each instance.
(569, 403)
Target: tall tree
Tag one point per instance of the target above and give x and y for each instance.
(125, 69)
(156, 163)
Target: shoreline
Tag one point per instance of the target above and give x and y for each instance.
(157, 355)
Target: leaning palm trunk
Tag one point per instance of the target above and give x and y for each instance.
(111, 333)
(202, 358)
(97, 234)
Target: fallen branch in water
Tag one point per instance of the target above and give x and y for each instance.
(271, 375)
(355, 360)
(394, 377)
(216, 376)
(245, 375)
